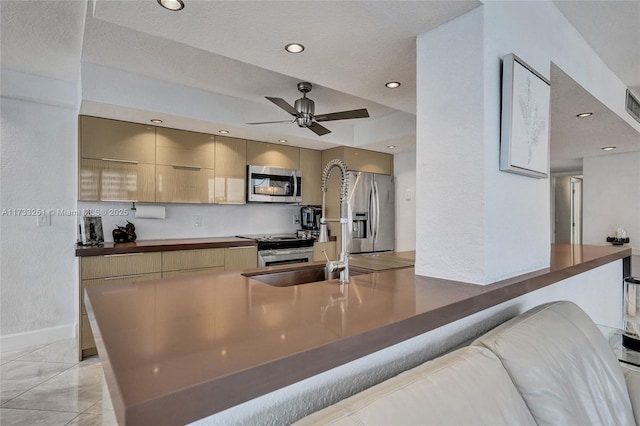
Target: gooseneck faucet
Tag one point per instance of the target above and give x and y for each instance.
(342, 264)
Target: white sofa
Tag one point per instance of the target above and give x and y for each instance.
(550, 365)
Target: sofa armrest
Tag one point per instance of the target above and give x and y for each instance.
(632, 377)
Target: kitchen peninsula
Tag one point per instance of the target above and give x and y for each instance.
(178, 349)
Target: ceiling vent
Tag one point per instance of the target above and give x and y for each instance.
(633, 106)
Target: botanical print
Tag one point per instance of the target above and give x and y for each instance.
(530, 121)
(534, 124)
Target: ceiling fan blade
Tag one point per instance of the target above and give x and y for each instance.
(318, 129)
(343, 115)
(272, 122)
(284, 105)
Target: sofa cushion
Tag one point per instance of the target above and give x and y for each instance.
(563, 366)
(466, 387)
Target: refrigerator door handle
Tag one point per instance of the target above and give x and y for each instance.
(377, 208)
(371, 208)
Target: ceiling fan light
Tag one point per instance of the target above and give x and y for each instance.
(156, 120)
(173, 5)
(608, 148)
(391, 146)
(584, 114)
(282, 140)
(392, 84)
(223, 132)
(294, 48)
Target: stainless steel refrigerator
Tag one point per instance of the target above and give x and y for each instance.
(371, 212)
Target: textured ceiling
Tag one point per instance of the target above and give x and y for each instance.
(235, 49)
(612, 29)
(574, 138)
(42, 37)
(352, 47)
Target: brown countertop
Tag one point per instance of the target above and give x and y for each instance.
(179, 349)
(383, 261)
(145, 246)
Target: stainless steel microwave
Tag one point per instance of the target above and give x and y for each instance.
(273, 185)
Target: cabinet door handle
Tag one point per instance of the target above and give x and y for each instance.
(123, 277)
(123, 254)
(115, 160)
(186, 167)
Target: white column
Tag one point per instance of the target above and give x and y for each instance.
(475, 223)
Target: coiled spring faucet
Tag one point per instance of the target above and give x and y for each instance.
(342, 264)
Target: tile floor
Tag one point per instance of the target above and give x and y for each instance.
(46, 385)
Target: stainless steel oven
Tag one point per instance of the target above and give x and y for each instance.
(284, 256)
(282, 249)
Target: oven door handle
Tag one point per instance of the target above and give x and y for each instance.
(284, 252)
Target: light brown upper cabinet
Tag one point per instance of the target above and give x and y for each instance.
(117, 160)
(104, 139)
(311, 166)
(360, 160)
(184, 149)
(109, 180)
(230, 170)
(184, 166)
(273, 155)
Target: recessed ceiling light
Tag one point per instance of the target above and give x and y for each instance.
(282, 140)
(584, 114)
(294, 48)
(391, 146)
(173, 5)
(608, 148)
(156, 120)
(223, 132)
(392, 84)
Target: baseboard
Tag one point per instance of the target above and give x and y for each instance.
(43, 336)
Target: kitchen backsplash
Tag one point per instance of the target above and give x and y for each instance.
(214, 220)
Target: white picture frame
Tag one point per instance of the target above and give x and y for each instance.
(524, 133)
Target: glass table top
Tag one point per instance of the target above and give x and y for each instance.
(614, 336)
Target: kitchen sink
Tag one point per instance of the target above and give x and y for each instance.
(296, 276)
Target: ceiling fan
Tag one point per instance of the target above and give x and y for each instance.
(304, 112)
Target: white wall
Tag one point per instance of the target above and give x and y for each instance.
(38, 171)
(482, 225)
(611, 199)
(404, 169)
(598, 292)
(217, 220)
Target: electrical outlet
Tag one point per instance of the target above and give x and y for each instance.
(44, 219)
(296, 218)
(197, 222)
(408, 194)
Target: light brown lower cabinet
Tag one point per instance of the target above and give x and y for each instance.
(330, 247)
(192, 259)
(239, 258)
(190, 272)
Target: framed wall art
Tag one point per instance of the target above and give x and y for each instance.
(91, 230)
(524, 136)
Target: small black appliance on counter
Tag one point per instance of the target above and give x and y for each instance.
(310, 218)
